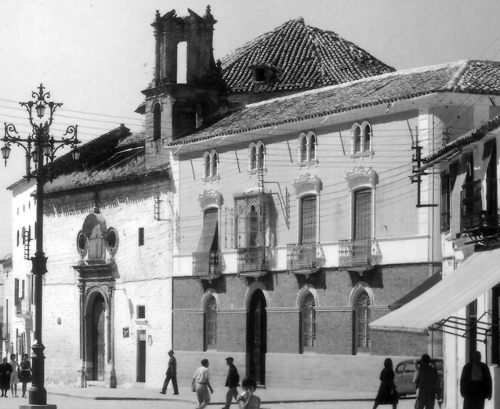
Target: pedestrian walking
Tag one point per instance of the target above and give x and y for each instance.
(25, 373)
(201, 384)
(248, 399)
(427, 383)
(387, 394)
(14, 379)
(475, 383)
(171, 374)
(5, 371)
(232, 382)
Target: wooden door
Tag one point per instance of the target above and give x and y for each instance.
(257, 337)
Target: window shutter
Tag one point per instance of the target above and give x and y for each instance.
(363, 214)
(308, 220)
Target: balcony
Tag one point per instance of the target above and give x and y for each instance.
(359, 255)
(207, 266)
(302, 258)
(253, 261)
(479, 219)
(23, 307)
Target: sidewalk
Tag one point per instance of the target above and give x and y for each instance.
(271, 395)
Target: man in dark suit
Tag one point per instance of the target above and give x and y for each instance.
(427, 383)
(475, 383)
(232, 382)
(171, 374)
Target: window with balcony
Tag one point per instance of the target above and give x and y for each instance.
(210, 322)
(206, 257)
(361, 136)
(308, 323)
(255, 230)
(210, 166)
(256, 157)
(361, 251)
(307, 149)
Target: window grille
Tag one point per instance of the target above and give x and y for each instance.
(211, 323)
(309, 322)
(362, 321)
(308, 220)
(141, 312)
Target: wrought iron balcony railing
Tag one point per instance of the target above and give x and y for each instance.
(207, 264)
(23, 306)
(359, 253)
(302, 257)
(253, 259)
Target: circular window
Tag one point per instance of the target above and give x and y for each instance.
(112, 241)
(81, 244)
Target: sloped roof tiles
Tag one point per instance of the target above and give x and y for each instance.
(468, 76)
(304, 56)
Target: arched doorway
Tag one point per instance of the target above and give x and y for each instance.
(257, 337)
(95, 338)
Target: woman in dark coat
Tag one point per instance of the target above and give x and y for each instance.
(5, 370)
(387, 394)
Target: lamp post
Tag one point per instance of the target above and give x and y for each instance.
(40, 147)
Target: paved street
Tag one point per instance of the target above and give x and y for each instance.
(86, 403)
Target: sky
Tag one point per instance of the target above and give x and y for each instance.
(96, 56)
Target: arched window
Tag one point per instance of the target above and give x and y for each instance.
(256, 157)
(356, 139)
(206, 165)
(312, 147)
(308, 323)
(367, 134)
(17, 238)
(214, 162)
(210, 327)
(361, 321)
(253, 157)
(303, 148)
(156, 121)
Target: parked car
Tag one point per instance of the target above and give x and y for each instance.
(406, 373)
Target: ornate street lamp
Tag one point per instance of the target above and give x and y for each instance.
(40, 147)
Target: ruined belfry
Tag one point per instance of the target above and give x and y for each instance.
(187, 91)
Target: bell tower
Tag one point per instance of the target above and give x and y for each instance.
(187, 91)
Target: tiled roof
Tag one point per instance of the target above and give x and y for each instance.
(467, 138)
(80, 180)
(133, 139)
(475, 77)
(305, 58)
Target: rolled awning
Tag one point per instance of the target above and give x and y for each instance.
(476, 275)
(417, 291)
(208, 235)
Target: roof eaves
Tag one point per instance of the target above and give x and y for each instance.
(469, 137)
